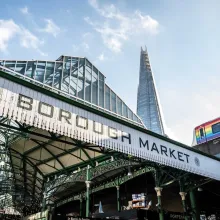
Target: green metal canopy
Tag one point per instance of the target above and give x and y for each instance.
(36, 159)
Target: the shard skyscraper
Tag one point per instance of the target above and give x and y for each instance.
(148, 108)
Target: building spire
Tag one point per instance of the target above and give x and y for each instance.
(148, 107)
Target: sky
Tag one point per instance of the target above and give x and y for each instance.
(182, 39)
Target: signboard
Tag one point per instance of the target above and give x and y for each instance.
(39, 110)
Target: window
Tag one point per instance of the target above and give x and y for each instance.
(57, 75)
(107, 97)
(65, 81)
(40, 70)
(119, 106)
(216, 128)
(113, 102)
(88, 82)
(30, 70)
(125, 110)
(94, 91)
(101, 93)
(20, 66)
(201, 132)
(10, 64)
(130, 116)
(49, 73)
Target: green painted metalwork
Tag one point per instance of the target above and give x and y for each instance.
(158, 177)
(184, 209)
(44, 203)
(87, 201)
(161, 215)
(88, 176)
(165, 177)
(80, 207)
(105, 185)
(99, 170)
(182, 190)
(118, 198)
(195, 212)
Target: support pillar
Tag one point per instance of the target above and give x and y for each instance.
(44, 202)
(183, 198)
(158, 191)
(195, 212)
(87, 197)
(80, 207)
(118, 198)
(88, 183)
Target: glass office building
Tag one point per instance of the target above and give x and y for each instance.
(73, 77)
(147, 101)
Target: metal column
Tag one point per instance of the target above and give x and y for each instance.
(195, 212)
(88, 182)
(159, 204)
(80, 208)
(118, 198)
(44, 202)
(183, 198)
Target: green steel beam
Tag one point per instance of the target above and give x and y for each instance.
(67, 152)
(25, 158)
(118, 198)
(52, 154)
(39, 145)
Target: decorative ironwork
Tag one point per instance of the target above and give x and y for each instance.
(105, 185)
(109, 166)
(105, 167)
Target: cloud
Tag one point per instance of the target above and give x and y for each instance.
(117, 27)
(42, 53)
(75, 48)
(87, 35)
(85, 46)
(24, 10)
(28, 40)
(82, 47)
(86, 40)
(101, 57)
(9, 29)
(51, 28)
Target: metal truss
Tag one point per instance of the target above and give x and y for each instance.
(117, 181)
(29, 180)
(80, 176)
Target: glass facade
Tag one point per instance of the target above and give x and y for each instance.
(73, 77)
(147, 102)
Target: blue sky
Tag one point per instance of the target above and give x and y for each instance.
(182, 38)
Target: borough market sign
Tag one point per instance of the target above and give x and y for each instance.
(39, 110)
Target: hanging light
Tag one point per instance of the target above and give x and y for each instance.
(129, 172)
(200, 189)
